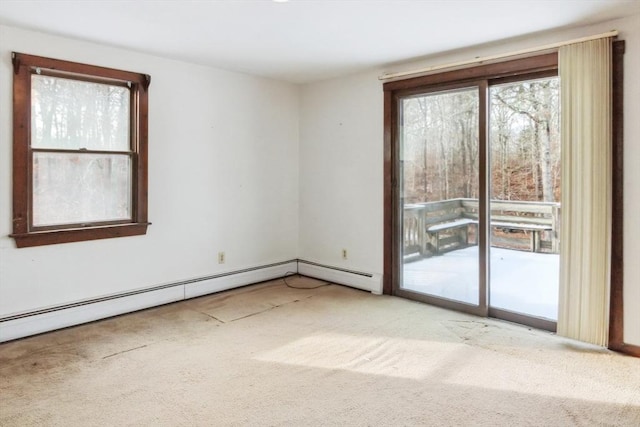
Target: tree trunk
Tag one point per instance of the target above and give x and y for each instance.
(545, 161)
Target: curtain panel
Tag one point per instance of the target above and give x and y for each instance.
(585, 71)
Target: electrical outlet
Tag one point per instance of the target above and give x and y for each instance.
(221, 257)
(344, 254)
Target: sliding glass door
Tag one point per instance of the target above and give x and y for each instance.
(439, 155)
(525, 198)
(478, 196)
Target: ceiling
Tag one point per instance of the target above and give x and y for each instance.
(302, 40)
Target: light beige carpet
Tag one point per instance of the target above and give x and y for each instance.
(272, 355)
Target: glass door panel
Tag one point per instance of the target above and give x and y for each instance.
(439, 155)
(525, 195)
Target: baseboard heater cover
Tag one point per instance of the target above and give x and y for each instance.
(356, 279)
(36, 322)
(75, 315)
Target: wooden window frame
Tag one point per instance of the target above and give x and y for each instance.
(24, 233)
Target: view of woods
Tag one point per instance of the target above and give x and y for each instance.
(440, 143)
(525, 141)
(72, 114)
(74, 127)
(440, 146)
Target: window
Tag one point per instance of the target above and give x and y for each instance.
(79, 152)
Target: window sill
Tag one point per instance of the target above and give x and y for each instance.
(51, 237)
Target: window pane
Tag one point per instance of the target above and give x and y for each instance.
(80, 188)
(525, 140)
(72, 114)
(525, 193)
(439, 149)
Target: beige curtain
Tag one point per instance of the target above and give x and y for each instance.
(585, 258)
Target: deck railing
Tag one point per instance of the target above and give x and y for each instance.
(434, 227)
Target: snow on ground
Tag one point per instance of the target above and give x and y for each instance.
(523, 282)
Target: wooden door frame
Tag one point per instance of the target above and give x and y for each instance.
(616, 310)
(506, 70)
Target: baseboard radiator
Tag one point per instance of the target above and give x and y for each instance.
(355, 279)
(34, 322)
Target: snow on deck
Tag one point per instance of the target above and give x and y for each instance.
(523, 282)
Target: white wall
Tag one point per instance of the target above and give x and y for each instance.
(341, 182)
(223, 176)
(341, 173)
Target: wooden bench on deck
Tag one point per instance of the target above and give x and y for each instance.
(533, 229)
(447, 224)
(459, 229)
